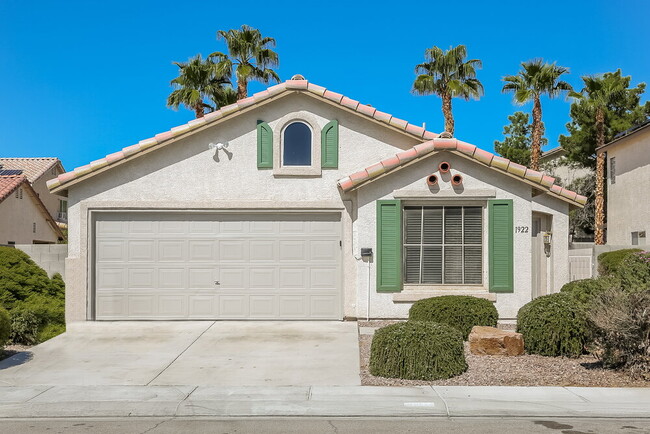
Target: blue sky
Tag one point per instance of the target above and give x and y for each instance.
(82, 79)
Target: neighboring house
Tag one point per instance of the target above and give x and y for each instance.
(554, 162)
(300, 203)
(23, 217)
(628, 182)
(38, 171)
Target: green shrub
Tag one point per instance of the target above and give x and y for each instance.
(50, 331)
(621, 325)
(460, 311)
(417, 350)
(5, 327)
(586, 289)
(609, 262)
(24, 327)
(633, 272)
(553, 325)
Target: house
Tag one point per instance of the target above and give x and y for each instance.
(628, 179)
(23, 216)
(300, 203)
(38, 171)
(555, 162)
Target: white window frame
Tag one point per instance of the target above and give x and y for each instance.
(314, 169)
(484, 265)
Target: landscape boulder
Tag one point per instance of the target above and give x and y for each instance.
(490, 341)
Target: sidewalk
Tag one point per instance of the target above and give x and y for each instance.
(343, 401)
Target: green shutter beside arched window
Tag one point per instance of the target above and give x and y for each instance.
(330, 145)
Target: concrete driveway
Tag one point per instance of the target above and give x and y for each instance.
(219, 353)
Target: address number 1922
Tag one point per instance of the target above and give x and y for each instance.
(521, 229)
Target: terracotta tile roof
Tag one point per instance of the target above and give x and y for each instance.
(232, 110)
(33, 168)
(538, 179)
(9, 184)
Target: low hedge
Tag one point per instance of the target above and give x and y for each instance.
(586, 290)
(554, 325)
(5, 327)
(417, 350)
(459, 311)
(609, 262)
(633, 273)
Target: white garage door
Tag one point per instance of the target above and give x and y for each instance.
(209, 266)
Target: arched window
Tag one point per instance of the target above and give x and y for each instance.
(296, 141)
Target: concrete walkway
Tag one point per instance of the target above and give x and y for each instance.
(343, 401)
(205, 353)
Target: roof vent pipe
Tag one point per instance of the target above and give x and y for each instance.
(444, 167)
(457, 179)
(432, 180)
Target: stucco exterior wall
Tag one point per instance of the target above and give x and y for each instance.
(628, 198)
(188, 175)
(17, 218)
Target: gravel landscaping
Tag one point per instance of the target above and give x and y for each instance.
(526, 370)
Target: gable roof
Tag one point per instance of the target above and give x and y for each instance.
(10, 183)
(225, 113)
(33, 168)
(625, 134)
(534, 178)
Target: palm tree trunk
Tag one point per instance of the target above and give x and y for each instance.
(198, 110)
(448, 114)
(242, 88)
(599, 236)
(535, 147)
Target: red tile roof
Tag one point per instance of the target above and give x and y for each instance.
(430, 147)
(33, 168)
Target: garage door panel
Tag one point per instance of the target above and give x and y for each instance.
(164, 266)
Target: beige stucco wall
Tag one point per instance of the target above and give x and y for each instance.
(17, 218)
(51, 201)
(628, 199)
(187, 175)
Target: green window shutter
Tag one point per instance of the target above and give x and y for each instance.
(329, 145)
(389, 246)
(501, 245)
(264, 146)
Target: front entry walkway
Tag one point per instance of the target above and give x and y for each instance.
(198, 353)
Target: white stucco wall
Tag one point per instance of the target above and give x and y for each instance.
(187, 175)
(628, 199)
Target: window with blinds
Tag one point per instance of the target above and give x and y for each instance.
(443, 245)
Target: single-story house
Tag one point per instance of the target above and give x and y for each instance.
(627, 184)
(24, 219)
(300, 203)
(38, 171)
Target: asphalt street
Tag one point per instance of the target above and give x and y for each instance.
(325, 425)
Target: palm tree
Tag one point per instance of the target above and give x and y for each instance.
(535, 79)
(448, 75)
(250, 55)
(597, 95)
(197, 81)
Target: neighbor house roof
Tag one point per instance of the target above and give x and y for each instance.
(33, 168)
(230, 111)
(9, 184)
(423, 150)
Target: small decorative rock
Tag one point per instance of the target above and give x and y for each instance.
(494, 342)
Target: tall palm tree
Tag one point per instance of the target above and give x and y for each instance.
(448, 75)
(535, 79)
(249, 54)
(596, 96)
(198, 81)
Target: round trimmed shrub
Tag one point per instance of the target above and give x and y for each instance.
(586, 290)
(608, 262)
(459, 311)
(633, 272)
(417, 350)
(5, 327)
(553, 325)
